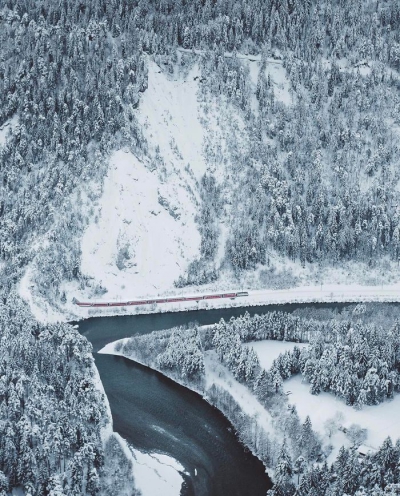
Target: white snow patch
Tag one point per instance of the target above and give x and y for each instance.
(109, 348)
(280, 81)
(268, 350)
(254, 70)
(6, 128)
(156, 473)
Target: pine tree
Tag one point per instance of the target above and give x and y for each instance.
(308, 441)
(299, 467)
(283, 474)
(263, 386)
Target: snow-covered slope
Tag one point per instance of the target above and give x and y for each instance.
(171, 116)
(145, 233)
(142, 231)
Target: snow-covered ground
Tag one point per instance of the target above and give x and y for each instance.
(280, 82)
(171, 116)
(380, 421)
(138, 243)
(6, 128)
(156, 473)
(145, 233)
(216, 373)
(269, 349)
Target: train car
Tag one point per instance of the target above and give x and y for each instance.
(80, 304)
(212, 297)
(242, 293)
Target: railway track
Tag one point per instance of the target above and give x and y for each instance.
(174, 299)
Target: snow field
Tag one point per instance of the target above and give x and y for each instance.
(268, 350)
(380, 420)
(170, 114)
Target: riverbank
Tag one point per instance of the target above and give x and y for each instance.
(157, 415)
(151, 472)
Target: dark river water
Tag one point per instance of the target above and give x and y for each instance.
(153, 413)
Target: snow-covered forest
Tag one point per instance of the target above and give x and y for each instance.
(293, 151)
(55, 435)
(159, 146)
(300, 458)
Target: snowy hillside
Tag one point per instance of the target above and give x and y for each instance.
(145, 233)
(6, 129)
(171, 116)
(142, 232)
(142, 239)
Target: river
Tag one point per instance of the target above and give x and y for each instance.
(153, 413)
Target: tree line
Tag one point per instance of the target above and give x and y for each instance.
(52, 412)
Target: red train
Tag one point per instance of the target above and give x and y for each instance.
(174, 299)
